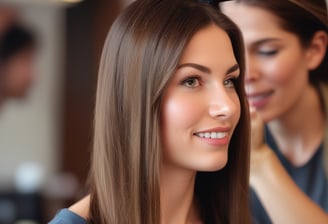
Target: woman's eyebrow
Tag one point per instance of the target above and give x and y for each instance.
(207, 70)
(232, 69)
(196, 66)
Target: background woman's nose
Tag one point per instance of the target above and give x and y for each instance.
(251, 72)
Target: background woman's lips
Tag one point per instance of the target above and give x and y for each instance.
(259, 99)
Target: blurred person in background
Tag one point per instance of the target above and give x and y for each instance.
(286, 84)
(17, 55)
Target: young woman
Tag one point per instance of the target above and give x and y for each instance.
(286, 76)
(171, 120)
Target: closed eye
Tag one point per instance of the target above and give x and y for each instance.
(191, 82)
(268, 53)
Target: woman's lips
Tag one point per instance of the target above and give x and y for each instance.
(259, 100)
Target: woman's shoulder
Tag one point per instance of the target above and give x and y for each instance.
(66, 216)
(82, 207)
(76, 214)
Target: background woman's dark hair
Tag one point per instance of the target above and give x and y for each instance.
(304, 19)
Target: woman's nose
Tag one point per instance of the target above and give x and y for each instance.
(224, 104)
(251, 72)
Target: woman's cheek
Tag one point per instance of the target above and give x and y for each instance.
(182, 111)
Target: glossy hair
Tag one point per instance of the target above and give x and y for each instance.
(302, 18)
(141, 52)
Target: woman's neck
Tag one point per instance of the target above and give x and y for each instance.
(177, 194)
(300, 131)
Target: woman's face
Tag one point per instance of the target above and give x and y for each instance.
(276, 62)
(201, 107)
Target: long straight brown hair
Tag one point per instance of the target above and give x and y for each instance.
(142, 51)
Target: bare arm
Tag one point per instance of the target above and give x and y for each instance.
(283, 200)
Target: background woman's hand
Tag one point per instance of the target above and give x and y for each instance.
(260, 151)
(257, 130)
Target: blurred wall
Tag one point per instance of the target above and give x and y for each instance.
(87, 25)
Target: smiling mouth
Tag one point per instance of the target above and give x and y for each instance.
(212, 135)
(259, 100)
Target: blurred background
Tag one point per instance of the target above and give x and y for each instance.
(46, 128)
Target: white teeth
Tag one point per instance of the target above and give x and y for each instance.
(212, 134)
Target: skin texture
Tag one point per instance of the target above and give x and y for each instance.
(277, 72)
(194, 101)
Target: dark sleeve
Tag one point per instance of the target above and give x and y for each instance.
(259, 215)
(65, 216)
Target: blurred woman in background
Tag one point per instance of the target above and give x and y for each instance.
(286, 85)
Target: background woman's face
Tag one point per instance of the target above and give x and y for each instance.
(201, 107)
(276, 62)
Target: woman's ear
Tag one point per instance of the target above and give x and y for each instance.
(317, 49)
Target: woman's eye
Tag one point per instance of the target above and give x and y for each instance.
(268, 53)
(191, 82)
(230, 83)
